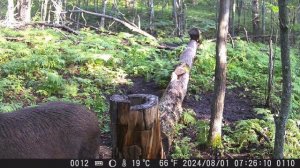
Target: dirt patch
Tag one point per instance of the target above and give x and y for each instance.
(238, 106)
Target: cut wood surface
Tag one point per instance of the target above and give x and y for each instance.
(130, 26)
(135, 125)
(170, 105)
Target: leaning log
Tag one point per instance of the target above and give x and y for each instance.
(135, 125)
(170, 105)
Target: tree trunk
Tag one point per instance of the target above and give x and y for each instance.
(171, 101)
(175, 16)
(285, 107)
(58, 9)
(135, 124)
(255, 17)
(151, 16)
(25, 11)
(102, 22)
(217, 13)
(215, 133)
(182, 18)
(10, 15)
(233, 6)
(239, 12)
(44, 10)
(271, 73)
(263, 16)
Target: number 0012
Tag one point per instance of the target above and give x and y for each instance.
(79, 163)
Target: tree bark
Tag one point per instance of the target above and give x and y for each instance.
(175, 16)
(255, 17)
(151, 16)
(135, 124)
(102, 22)
(271, 73)
(285, 107)
(58, 9)
(25, 11)
(44, 10)
(263, 16)
(233, 6)
(215, 132)
(10, 18)
(239, 12)
(171, 101)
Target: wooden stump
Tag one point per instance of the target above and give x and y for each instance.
(135, 125)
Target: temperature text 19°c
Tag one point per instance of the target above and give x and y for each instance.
(138, 163)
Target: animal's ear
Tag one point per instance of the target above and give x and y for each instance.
(195, 34)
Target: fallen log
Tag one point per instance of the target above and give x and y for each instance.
(126, 24)
(170, 105)
(135, 127)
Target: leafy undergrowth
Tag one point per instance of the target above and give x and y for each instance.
(253, 138)
(46, 65)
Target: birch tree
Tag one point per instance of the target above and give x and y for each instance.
(25, 11)
(102, 22)
(10, 15)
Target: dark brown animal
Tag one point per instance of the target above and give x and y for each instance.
(53, 130)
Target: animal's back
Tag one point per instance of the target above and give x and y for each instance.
(53, 130)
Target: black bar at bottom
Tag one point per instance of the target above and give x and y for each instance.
(143, 163)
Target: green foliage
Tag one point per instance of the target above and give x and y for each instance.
(182, 149)
(189, 117)
(202, 132)
(243, 137)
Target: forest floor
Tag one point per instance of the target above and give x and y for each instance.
(238, 106)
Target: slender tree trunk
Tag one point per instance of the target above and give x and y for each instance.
(293, 33)
(25, 10)
(151, 16)
(244, 20)
(263, 16)
(233, 6)
(285, 108)
(255, 17)
(175, 16)
(10, 18)
(58, 9)
(239, 12)
(215, 133)
(102, 22)
(272, 20)
(271, 73)
(217, 14)
(181, 17)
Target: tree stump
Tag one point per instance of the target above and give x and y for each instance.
(135, 125)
